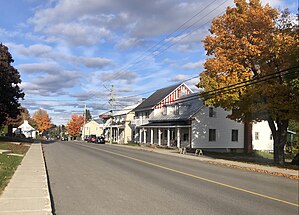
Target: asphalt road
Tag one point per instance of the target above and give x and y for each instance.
(92, 179)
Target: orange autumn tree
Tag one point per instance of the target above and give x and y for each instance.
(74, 125)
(251, 42)
(41, 120)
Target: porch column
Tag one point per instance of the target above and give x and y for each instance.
(117, 134)
(168, 137)
(140, 135)
(152, 136)
(144, 132)
(178, 138)
(159, 136)
(190, 137)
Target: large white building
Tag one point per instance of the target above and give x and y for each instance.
(175, 116)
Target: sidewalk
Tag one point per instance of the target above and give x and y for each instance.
(289, 173)
(27, 192)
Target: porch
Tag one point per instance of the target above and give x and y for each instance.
(169, 135)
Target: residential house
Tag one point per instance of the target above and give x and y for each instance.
(26, 129)
(93, 127)
(120, 124)
(152, 106)
(188, 122)
(262, 138)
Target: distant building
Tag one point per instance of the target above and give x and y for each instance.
(122, 131)
(94, 127)
(26, 130)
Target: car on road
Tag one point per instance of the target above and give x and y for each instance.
(101, 140)
(92, 138)
(86, 138)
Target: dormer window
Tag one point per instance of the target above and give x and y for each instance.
(146, 114)
(164, 110)
(176, 109)
(212, 112)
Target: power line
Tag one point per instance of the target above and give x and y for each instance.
(235, 86)
(257, 79)
(164, 43)
(151, 91)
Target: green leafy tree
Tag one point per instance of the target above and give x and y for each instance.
(87, 116)
(250, 42)
(9, 87)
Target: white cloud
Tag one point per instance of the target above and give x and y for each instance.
(193, 65)
(127, 76)
(78, 34)
(37, 50)
(40, 51)
(52, 84)
(179, 78)
(38, 67)
(93, 62)
(127, 43)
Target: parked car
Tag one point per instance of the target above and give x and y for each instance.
(86, 138)
(92, 138)
(101, 140)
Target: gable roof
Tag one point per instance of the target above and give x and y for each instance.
(96, 122)
(125, 110)
(26, 125)
(191, 101)
(155, 98)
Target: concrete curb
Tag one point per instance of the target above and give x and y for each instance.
(28, 191)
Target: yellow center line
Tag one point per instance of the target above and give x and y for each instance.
(195, 176)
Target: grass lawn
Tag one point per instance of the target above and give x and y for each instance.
(258, 157)
(9, 163)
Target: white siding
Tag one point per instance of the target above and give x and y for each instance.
(224, 126)
(27, 130)
(264, 143)
(92, 127)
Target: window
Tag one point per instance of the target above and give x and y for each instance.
(212, 112)
(212, 135)
(271, 137)
(164, 110)
(186, 137)
(176, 110)
(146, 114)
(256, 136)
(235, 135)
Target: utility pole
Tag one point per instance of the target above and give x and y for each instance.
(111, 101)
(84, 115)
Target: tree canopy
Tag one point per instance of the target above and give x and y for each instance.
(9, 86)
(19, 119)
(74, 125)
(87, 115)
(42, 120)
(254, 42)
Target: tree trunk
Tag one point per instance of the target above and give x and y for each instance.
(9, 131)
(248, 137)
(279, 132)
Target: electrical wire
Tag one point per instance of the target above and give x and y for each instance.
(168, 36)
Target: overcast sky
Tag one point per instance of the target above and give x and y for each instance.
(70, 52)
